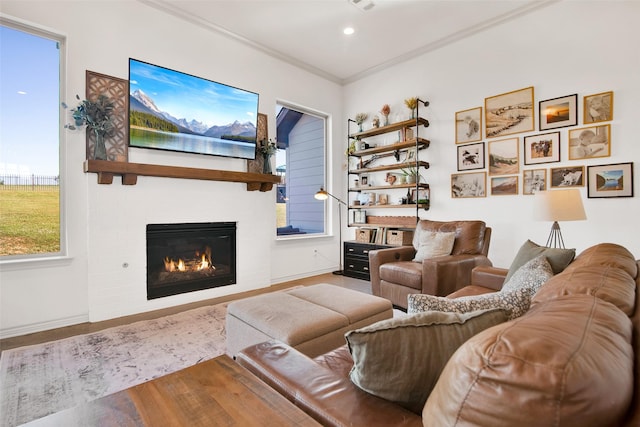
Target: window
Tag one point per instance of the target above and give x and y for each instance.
(300, 161)
(30, 70)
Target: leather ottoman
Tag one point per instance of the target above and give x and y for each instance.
(312, 319)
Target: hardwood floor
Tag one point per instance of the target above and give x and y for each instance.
(85, 328)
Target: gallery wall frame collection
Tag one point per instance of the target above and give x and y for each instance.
(512, 113)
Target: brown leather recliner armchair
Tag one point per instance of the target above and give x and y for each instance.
(394, 275)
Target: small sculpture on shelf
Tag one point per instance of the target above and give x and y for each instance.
(375, 122)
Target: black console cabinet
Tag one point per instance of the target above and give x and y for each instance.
(356, 259)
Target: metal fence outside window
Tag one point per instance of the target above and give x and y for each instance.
(29, 182)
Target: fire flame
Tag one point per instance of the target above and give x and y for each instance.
(201, 262)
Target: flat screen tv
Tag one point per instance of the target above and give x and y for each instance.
(170, 110)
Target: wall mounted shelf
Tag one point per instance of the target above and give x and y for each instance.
(106, 170)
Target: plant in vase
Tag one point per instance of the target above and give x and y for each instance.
(412, 104)
(385, 111)
(412, 174)
(267, 149)
(360, 118)
(97, 116)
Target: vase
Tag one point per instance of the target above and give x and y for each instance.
(99, 149)
(359, 127)
(266, 164)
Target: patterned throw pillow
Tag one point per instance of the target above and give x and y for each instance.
(531, 276)
(433, 244)
(515, 302)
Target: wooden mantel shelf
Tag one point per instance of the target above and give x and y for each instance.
(130, 172)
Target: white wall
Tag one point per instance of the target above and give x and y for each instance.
(106, 223)
(566, 48)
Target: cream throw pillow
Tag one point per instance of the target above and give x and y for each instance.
(433, 244)
(401, 359)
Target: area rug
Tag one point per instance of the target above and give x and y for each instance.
(39, 380)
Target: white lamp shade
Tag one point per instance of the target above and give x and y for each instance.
(559, 205)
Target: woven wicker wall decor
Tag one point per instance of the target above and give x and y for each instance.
(118, 92)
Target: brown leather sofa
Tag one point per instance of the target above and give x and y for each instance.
(394, 275)
(572, 360)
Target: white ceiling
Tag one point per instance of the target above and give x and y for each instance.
(308, 33)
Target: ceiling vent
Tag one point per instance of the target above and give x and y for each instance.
(363, 5)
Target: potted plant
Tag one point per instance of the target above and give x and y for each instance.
(412, 174)
(360, 118)
(97, 116)
(412, 104)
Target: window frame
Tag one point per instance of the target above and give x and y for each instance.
(326, 118)
(17, 262)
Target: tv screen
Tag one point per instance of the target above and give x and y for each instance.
(170, 110)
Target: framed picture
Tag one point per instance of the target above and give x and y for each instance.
(543, 148)
(558, 112)
(504, 157)
(534, 180)
(598, 108)
(509, 113)
(591, 142)
(471, 156)
(567, 176)
(504, 186)
(468, 185)
(469, 125)
(615, 180)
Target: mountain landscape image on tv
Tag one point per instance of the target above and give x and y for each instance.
(170, 110)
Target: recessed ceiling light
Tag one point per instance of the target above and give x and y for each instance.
(348, 31)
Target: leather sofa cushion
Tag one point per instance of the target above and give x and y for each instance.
(607, 272)
(469, 234)
(568, 361)
(401, 359)
(408, 273)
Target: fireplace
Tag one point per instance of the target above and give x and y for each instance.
(190, 257)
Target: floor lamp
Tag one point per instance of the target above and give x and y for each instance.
(559, 205)
(324, 195)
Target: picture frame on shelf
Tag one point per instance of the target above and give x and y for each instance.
(590, 142)
(542, 148)
(410, 155)
(558, 112)
(504, 157)
(612, 180)
(421, 196)
(469, 125)
(504, 186)
(470, 184)
(534, 180)
(598, 108)
(567, 176)
(471, 156)
(509, 113)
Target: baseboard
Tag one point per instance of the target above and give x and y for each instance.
(278, 280)
(44, 326)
